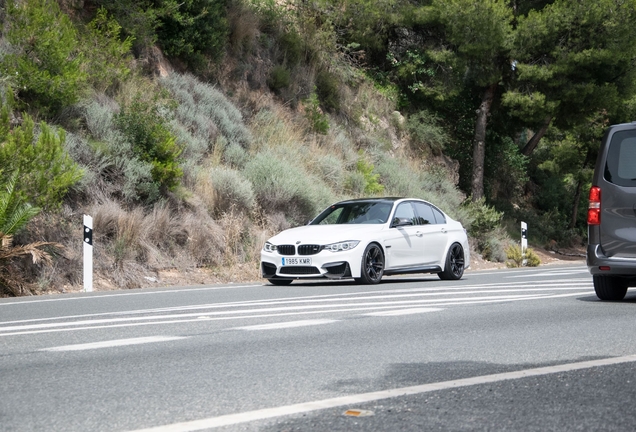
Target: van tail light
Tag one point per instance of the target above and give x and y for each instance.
(594, 209)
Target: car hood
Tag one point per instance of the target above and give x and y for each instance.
(324, 234)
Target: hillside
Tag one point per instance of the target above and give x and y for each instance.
(192, 137)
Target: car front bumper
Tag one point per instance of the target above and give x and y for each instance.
(325, 264)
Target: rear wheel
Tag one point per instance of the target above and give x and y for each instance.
(372, 265)
(280, 281)
(609, 287)
(454, 267)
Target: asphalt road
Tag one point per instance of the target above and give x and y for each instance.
(523, 349)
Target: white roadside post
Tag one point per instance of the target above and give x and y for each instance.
(88, 253)
(524, 242)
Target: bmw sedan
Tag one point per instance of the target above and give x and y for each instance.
(365, 239)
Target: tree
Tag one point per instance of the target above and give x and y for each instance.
(572, 59)
(478, 32)
(44, 61)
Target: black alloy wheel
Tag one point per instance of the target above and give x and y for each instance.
(372, 265)
(454, 268)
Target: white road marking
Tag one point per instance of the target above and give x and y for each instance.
(113, 343)
(397, 312)
(268, 413)
(286, 325)
(268, 314)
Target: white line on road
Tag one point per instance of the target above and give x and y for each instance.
(404, 312)
(113, 343)
(287, 324)
(268, 413)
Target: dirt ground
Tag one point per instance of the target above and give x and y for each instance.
(547, 257)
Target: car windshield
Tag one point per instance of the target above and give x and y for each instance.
(366, 212)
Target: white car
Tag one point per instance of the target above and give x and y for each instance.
(365, 239)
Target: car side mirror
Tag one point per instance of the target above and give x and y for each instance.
(398, 222)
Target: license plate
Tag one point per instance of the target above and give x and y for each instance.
(296, 261)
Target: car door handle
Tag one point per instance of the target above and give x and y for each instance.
(419, 233)
(444, 231)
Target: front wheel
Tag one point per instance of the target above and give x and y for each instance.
(609, 287)
(454, 267)
(372, 265)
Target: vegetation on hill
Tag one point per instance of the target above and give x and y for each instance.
(193, 130)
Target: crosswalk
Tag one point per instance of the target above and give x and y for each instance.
(298, 311)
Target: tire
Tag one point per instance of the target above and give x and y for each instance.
(372, 265)
(454, 267)
(280, 281)
(610, 288)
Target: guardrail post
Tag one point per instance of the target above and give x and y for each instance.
(88, 253)
(524, 243)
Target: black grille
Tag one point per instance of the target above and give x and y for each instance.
(299, 270)
(287, 249)
(268, 270)
(308, 249)
(338, 270)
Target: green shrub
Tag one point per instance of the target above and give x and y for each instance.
(327, 90)
(152, 141)
(515, 257)
(313, 113)
(371, 179)
(107, 56)
(281, 186)
(190, 29)
(425, 131)
(235, 156)
(204, 110)
(292, 45)
(484, 218)
(46, 171)
(15, 214)
(45, 62)
(232, 190)
(279, 78)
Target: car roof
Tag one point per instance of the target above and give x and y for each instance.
(380, 199)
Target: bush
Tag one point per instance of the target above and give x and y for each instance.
(232, 191)
(284, 187)
(327, 90)
(516, 258)
(425, 131)
(199, 102)
(279, 78)
(313, 113)
(484, 218)
(45, 171)
(144, 127)
(107, 57)
(45, 60)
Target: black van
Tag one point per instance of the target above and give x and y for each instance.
(611, 217)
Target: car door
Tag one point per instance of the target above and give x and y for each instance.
(433, 233)
(404, 243)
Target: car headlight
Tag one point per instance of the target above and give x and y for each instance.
(341, 246)
(270, 247)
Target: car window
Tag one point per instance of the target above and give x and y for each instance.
(620, 167)
(355, 213)
(424, 214)
(405, 211)
(439, 216)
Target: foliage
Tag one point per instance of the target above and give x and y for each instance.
(151, 139)
(327, 90)
(233, 191)
(317, 119)
(516, 257)
(189, 30)
(425, 130)
(44, 58)
(15, 213)
(371, 179)
(46, 172)
(108, 58)
(279, 78)
(484, 218)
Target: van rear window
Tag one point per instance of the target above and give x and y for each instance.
(620, 167)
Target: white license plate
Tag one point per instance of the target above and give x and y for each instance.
(296, 261)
